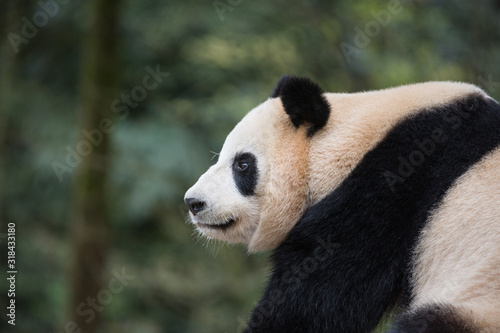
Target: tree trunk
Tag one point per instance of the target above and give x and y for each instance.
(91, 223)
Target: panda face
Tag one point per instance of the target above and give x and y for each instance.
(258, 189)
(225, 203)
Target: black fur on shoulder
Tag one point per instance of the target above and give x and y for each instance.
(433, 319)
(303, 101)
(347, 260)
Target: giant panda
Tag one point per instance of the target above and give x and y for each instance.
(374, 203)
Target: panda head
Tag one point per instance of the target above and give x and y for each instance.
(258, 189)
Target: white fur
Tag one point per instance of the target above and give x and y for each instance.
(457, 260)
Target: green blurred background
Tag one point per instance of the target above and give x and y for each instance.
(67, 65)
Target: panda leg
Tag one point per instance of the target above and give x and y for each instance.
(435, 318)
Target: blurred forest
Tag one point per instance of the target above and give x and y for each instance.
(111, 110)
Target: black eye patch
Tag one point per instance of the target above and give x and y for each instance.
(245, 173)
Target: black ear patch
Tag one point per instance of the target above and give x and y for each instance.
(303, 101)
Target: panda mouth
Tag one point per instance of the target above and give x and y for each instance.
(222, 226)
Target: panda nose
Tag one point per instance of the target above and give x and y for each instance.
(195, 205)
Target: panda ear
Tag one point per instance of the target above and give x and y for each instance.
(303, 101)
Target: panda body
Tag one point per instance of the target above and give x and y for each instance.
(369, 200)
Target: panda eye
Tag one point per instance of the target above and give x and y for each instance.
(241, 165)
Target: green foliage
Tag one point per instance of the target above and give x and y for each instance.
(220, 65)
